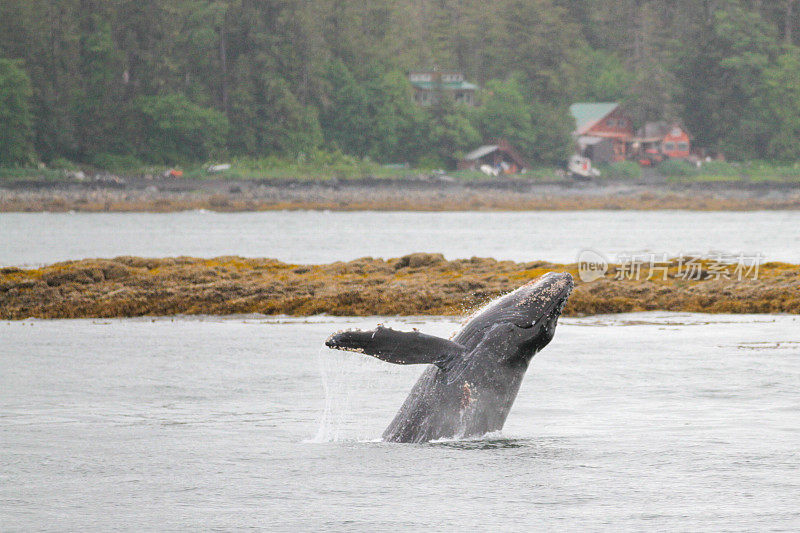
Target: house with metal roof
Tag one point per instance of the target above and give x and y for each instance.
(499, 156)
(602, 123)
(430, 84)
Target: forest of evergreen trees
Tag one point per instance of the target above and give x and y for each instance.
(190, 80)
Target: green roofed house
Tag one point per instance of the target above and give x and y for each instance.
(599, 124)
(428, 84)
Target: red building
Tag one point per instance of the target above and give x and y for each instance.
(604, 124)
(603, 121)
(667, 140)
(676, 144)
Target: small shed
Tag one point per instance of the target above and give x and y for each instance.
(500, 156)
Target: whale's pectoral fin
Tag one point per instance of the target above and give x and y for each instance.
(399, 347)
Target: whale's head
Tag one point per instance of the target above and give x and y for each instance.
(541, 300)
(522, 322)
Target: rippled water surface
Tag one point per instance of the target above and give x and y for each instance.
(645, 421)
(322, 237)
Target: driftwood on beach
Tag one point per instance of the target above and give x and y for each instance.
(417, 284)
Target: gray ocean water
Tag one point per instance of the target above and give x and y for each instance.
(648, 422)
(323, 237)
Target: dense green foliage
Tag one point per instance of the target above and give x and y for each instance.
(174, 128)
(15, 116)
(674, 168)
(168, 81)
(621, 170)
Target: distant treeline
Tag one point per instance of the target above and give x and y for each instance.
(104, 81)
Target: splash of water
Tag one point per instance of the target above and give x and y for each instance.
(345, 376)
(333, 372)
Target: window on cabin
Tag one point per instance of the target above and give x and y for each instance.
(669, 147)
(683, 147)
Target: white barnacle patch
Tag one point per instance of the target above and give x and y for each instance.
(340, 332)
(351, 349)
(331, 343)
(332, 335)
(559, 287)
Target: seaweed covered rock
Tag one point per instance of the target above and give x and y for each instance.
(418, 260)
(414, 284)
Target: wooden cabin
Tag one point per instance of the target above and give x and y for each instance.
(605, 121)
(499, 155)
(598, 125)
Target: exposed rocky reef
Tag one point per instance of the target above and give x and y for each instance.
(417, 284)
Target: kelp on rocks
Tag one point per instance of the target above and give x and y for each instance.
(416, 284)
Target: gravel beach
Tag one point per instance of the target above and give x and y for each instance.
(433, 194)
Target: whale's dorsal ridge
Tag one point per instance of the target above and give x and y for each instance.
(399, 347)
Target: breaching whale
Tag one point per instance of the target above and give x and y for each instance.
(474, 378)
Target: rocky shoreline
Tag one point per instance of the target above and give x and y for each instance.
(417, 284)
(433, 194)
